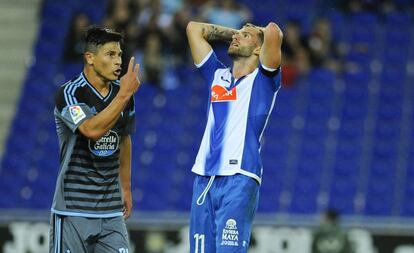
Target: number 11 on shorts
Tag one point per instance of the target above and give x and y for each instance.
(199, 242)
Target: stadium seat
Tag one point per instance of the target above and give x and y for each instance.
(366, 103)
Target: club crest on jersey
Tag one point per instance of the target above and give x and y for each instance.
(76, 113)
(106, 145)
(221, 94)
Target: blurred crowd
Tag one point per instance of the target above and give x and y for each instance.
(380, 7)
(155, 34)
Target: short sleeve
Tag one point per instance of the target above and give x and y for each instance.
(209, 65)
(72, 113)
(273, 74)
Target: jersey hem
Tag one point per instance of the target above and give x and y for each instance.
(87, 215)
(233, 172)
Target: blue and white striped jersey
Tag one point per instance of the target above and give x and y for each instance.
(238, 111)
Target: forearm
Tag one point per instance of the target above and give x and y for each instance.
(271, 54)
(125, 164)
(100, 124)
(213, 32)
(201, 34)
(125, 177)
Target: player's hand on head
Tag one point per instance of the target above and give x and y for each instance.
(130, 82)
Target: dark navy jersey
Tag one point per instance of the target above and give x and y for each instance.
(88, 182)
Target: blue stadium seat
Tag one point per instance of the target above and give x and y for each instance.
(170, 123)
(379, 196)
(342, 195)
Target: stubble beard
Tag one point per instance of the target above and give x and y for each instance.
(239, 52)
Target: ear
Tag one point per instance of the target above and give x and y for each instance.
(89, 58)
(256, 51)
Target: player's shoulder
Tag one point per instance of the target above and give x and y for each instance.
(69, 89)
(76, 81)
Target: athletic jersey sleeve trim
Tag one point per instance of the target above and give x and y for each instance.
(270, 72)
(204, 60)
(233, 172)
(269, 69)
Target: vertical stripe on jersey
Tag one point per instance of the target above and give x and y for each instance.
(260, 107)
(217, 135)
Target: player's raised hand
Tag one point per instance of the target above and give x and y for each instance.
(130, 82)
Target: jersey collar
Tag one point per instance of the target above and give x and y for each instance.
(95, 90)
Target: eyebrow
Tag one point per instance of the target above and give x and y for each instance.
(113, 51)
(244, 32)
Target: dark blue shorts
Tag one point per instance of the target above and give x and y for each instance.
(222, 213)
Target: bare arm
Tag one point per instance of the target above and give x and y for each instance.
(271, 54)
(201, 34)
(125, 174)
(96, 127)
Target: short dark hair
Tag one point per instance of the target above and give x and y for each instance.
(261, 34)
(97, 36)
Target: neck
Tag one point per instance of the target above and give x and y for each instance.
(243, 66)
(96, 80)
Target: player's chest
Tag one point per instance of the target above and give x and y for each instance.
(229, 90)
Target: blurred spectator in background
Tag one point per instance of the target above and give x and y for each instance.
(151, 11)
(177, 37)
(168, 10)
(118, 18)
(379, 6)
(150, 48)
(153, 61)
(74, 40)
(119, 14)
(329, 236)
(295, 58)
(323, 51)
(226, 13)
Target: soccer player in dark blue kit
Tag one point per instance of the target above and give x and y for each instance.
(228, 163)
(95, 117)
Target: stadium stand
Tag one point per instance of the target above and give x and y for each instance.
(338, 139)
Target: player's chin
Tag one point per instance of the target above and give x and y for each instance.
(113, 77)
(233, 54)
(231, 51)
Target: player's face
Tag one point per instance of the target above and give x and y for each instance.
(244, 42)
(107, 61)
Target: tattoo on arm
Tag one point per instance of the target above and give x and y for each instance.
(218, 33)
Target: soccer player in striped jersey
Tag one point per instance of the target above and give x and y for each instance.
(95, 117)
(228, 163)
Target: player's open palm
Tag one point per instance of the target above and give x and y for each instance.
(130, 82)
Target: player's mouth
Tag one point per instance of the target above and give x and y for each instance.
(117, 72)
